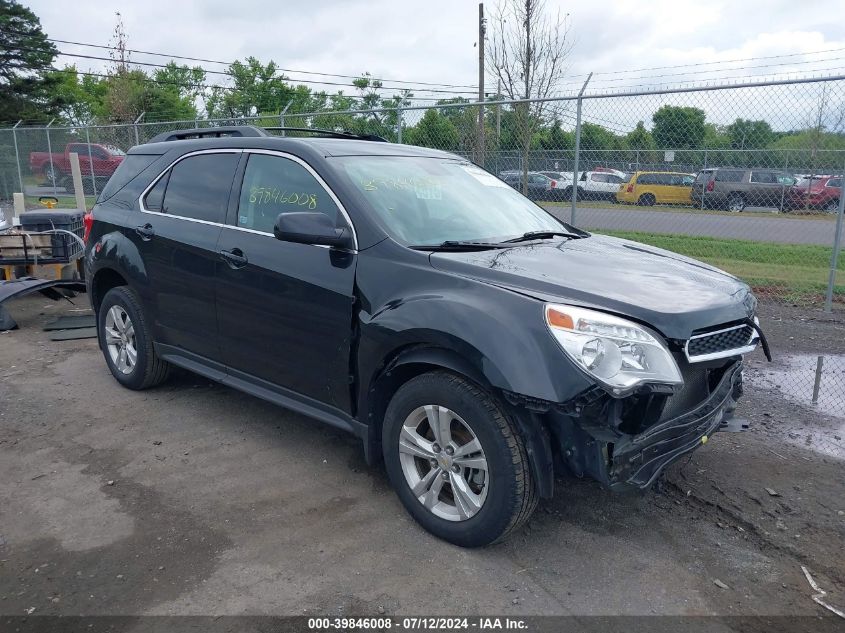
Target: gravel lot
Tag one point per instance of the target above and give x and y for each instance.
(195, 499)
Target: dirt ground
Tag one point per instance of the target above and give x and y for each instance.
(195, 499)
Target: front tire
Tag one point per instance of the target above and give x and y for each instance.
(126, 342)
(456, 461)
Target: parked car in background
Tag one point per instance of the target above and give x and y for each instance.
(647, 188)
(105, 159)
(540, 186)
(600, 185)
(816, 192)
(735, 189)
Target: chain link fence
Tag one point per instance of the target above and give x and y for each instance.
(745, 177)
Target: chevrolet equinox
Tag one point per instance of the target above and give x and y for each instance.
(470, 339)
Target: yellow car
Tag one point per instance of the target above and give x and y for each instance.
(656, 187)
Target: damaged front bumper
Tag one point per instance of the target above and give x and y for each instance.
(590, 446)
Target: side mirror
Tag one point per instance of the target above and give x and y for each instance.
(310, 227)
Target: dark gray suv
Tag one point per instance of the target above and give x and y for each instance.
(736, 189)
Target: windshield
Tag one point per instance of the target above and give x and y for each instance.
(423, 200)
(818, 182)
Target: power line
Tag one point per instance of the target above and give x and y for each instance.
(724, 61)
(213, 61)
(814, 61)
(229, 74)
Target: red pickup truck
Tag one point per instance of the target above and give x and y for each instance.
(104, 158)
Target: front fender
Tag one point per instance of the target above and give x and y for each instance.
(498, 333)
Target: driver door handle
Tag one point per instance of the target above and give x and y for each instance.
(145, 232)
(235, 258)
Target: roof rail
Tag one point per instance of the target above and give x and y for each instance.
(330, 133)
(209, 132)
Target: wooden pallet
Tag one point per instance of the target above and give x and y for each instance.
(24, 245)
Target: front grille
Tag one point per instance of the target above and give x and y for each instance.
(725, 340)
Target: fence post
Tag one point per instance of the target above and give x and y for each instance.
(282, 117)
(577, 150)
(50, 157)
(398, 123)
(90, 160)
(17, 156)
(135, 126)
(834, 258)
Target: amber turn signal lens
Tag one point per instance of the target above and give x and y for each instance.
(559, 319)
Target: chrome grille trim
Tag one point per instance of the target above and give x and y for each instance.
(749, 346)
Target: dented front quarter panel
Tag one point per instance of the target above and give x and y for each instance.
(404, 302)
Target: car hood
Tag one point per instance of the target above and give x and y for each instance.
(672, 293)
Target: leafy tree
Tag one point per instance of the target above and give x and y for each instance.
(748, 134)
(553, 137)
(25, 56)
(81, 97)
(596, 137)
(678, 127)
(434, 130)
(640, 138)
(257, 88)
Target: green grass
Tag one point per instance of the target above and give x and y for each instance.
(795, 272)
(32, 203)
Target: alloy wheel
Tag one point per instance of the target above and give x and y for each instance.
(443, 463)
(120, 339)
(736, 204)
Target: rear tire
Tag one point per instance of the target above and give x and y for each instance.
(736, 203)
(464, 503)
(646, 200)
(126, 341)
(832, 206)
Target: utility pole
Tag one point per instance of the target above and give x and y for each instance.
(482, 28)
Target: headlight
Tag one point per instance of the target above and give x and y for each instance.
(618, 353)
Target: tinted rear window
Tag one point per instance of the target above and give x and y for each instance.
(199, 187)
(131, 166)
(729, 176)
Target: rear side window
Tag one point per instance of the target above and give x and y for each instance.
(763, 177)
(729, 176)
(132, 165)
(647, 179)
(834, 182)
(274, 185)
(199, 186)
(154, 199)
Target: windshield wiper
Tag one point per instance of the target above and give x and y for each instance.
(457, 245)
(541, 235)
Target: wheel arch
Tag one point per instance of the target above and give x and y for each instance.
(413, 360)
(104, 280)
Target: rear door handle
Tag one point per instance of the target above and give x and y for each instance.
(145, 232)
(235, 258)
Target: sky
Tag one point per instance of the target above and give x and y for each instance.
(434, 41)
